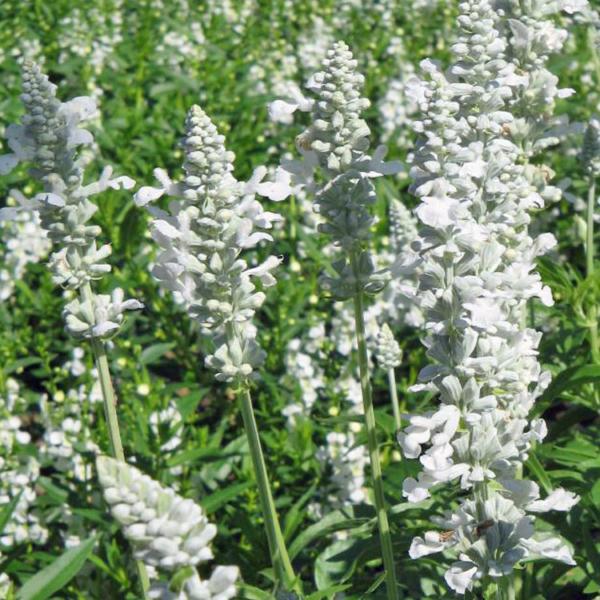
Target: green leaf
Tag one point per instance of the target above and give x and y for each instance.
(568, 380)
(330, 523)
(249, 592)
(335, 564)
(8, 509)
(534, 465)
(153, 353)
(56, 575)
(22, 363)
(214, 501)
(330, 592)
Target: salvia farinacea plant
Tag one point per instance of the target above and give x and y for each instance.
(337, 168)
(50, 139)
(212, 219)
(477, 190)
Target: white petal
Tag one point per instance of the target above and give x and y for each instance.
(281, 111)
(559, 499)
(83, 107)
(553, 548)
(122, 182)
(430, 544)
(7, 163)
(460, 576)
(147, 194)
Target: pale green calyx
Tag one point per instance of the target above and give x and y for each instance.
(388, 351)
(166, 530)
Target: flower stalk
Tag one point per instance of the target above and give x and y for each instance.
(212, 219)
(385, 537)
(335, 145)
(49, 138)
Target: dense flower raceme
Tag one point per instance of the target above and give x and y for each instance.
(477, 260)
(212, 219)
(22, 241)
(49, 137)
(166, 530)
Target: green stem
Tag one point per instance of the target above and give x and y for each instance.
(589, 264)
(110, 412)
(279, 556)
(387, 549)
(394, 396)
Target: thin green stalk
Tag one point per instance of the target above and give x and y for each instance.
(394, 396)
(110, 412)
(387, 549)
(279, 555)
(589, 264)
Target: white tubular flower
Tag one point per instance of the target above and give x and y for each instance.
(100, 316)
(387, 352)
(22, 241)
(399, 304)
(336, 143)
(490, 538)
(212, 219)
(220, 586)
(49, 137)
(481, 124)
(166, 530)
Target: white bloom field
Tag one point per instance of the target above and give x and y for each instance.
(299, 300)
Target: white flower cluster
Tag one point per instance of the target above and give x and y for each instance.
(98, 316)
(388, 351)
(476, 188)
(19, 472)
(302, 368)
(49, 137)
(210, 222)
(337, 142)
(22, 241)
(347, 461)
(398, 298)
(91, 35)
(397, 107)
(65, 434)
(166, 530)
(181, 47)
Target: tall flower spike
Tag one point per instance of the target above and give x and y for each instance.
(476, 188)
(211, 220)
(336, 144)
(388, 351)
(166, 530)
(49, 138)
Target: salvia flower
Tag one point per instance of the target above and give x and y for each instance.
(166, 530)
(212, 219)
(387, 352)
(477, 260)
(336, 145)
(49, 137)
(99, 316)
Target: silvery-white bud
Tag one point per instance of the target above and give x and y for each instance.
(387, 351)
(166, 530)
